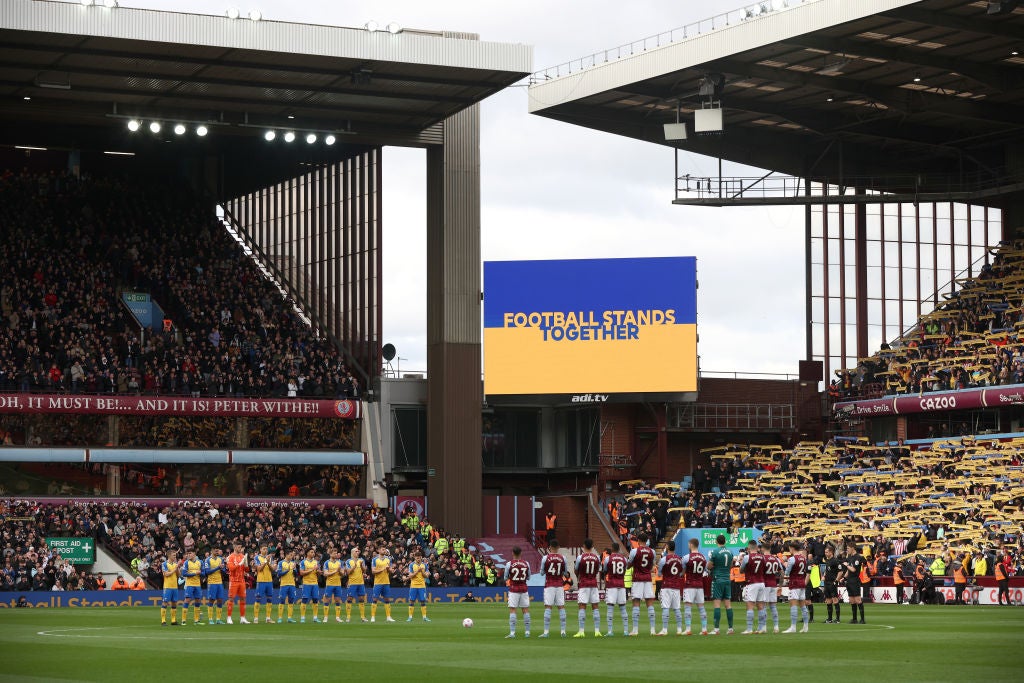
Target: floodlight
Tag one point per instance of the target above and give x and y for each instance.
(255, 15)
(289, 137)
(269, 136)
(110, 4)
(779, 5)
(371, 26)
(233, 13)
(87, 3)
(134, 125)
(329, 140)
(394, 28)
(179, 129)
(26, 98)
(917, 77)
(201, 131)
(310, 138)
(675, 131)
(154, 127)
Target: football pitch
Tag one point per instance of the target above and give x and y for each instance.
(904, 643)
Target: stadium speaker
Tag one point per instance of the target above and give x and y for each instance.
(388, 352)
(1002, 6)
(675, 131)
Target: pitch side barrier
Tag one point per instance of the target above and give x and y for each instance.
(122, 598)
(178, 501)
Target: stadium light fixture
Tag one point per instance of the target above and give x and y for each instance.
(233, 13)
(1014, 53)
(329, 140)
(289, 136)
(371, 26)
(255, 15)
(779, 5)
(179, 129)
(917, 77)
(154, 126)
(394, 28)
(134, 125)
(87, 3)
(201, 131)
(829, 98)
(310, 138)
(269, 136)
(27, 98)
(110, 4)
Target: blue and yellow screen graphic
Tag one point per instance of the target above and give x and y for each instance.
(608, 326)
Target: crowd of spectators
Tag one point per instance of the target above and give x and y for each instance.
(141, 536)
(971, 340)
(961, 500)
(70, 245)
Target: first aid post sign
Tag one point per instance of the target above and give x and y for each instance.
(74, 550)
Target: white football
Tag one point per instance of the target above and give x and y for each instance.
(467, 622)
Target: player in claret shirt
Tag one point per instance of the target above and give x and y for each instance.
(672, 571)
(752, 565)
(770, 596)
(615, 565)
(555, 571)
(643, 560)
(696, 566)
(517, 573)
(588, 566)
(796, 570)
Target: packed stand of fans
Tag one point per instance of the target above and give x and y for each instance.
(69, 245)
(972, 340)
(956, 505)
(141, 536)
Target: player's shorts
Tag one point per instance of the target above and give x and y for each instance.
(670, 598)
(588, 596)
(830, 589)
(853, 589)
(215, 591)
(264, 591)
(170, 595)
(769, 594)
(356, 591)
(797, 594)
(515, 600)
(694, 596)
(381, 592)
(310, 591)
(615, 596)
(236, 590)
(335, 592)
(642, 590)
(287, 594)
(193, 593)
(554, 596)
(721, 589)
(752, 592)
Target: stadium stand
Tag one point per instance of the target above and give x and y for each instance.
(140, 536)
(973, 339)
(72, 245)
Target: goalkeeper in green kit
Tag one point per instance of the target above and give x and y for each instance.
(720, 562)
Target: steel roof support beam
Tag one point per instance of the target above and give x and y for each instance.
(986, 27)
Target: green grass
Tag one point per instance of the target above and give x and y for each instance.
(912, 643)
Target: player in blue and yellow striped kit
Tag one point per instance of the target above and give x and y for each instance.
(381, 568)
(192, 570)
(171, 570)
(286, 571)
(417, 574)
(308, 570)
(333, 571)
(355, 567)
(263, 567)
(215, 570)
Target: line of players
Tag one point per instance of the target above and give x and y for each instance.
(682, 583)
(299, 581)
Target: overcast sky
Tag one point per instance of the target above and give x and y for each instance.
(552, 190)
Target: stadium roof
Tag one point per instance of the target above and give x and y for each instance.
(881, 90)
(90, 66)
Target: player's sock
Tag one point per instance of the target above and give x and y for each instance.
(209, 612)
(703, 618)
(348, 610)
(561, 620)
(230, 605)
(611, 618)
(256, 611)
(810, 610)
(196, 613)
(792, 615)
(511, 622)
(762, 619)
(316, 611)
(861, 606)
(625, 620)
(806, 615)
(664, 618)
(718, 616)
(838, 610)
(582, 619)
(373, 611)
(280, 611)
(547, 619)
(597, 619)
(636, 617)
(526, 622)
(728, 616)
(688, 612)
(423, 611)
(291, 610)
(241, 607)
(650, 617)
(163, 615)
(387, 610)
(184, 613)
(411, 610)
(679, 619)
(750, 620)
(362, 610)
(775, 614)
(302, 610)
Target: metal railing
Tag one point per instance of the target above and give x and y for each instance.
(751, 12)
(732, 416)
